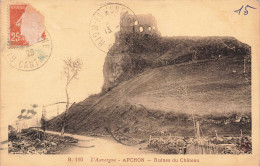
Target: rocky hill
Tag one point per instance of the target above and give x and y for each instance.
(132, 53)
(154, 84)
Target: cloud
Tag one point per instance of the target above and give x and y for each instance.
(32, 112)
(27, 114)
(34, 105)
(23, 110)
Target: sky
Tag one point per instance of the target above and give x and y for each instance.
(68, 25)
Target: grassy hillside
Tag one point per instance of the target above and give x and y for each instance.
(216, 91)
(133, 53)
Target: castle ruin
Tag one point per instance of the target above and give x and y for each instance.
(143, 24)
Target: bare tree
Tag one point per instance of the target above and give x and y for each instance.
(71, 70)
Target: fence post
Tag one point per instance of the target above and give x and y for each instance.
(198, 129)
(216, 133)
(244, 65)
(58, 110)
(241, 133)
(150, 139)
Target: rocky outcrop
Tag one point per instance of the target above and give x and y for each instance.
(133, 53)
(139, 46)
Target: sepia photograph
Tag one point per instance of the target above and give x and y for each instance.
(129, 82)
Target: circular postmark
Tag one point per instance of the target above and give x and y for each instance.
(107, 21)
(28, 58)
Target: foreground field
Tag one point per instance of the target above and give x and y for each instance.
(35, 141)
(214, 145)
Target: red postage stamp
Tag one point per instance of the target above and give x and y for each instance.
(26, 25)
(29, 44)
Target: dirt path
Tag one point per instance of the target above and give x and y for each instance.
(106, 145)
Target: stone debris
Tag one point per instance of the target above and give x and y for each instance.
(32, 141)
(215, 145)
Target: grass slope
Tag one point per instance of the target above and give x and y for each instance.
(216, 92)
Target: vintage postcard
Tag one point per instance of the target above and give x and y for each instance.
(129, 82)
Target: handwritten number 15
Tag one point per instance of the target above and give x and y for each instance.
(245, 11)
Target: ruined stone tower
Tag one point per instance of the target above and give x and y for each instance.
(143, 24)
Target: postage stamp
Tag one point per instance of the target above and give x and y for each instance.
(163, 85)
(29, 44)
(107, 21)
